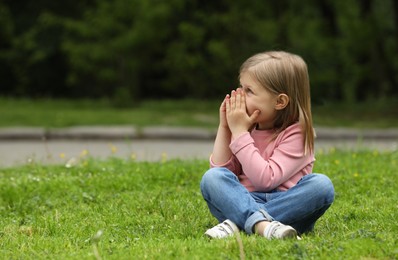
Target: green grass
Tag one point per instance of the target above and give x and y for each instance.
(62, 113)
(371, 114)
(155, 211)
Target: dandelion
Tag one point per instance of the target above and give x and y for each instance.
(94, 241)
(34, 178)
(62, 155)
(164, 157)
(356, 175)
(71, 162)
(84, 153)
(113, 148)
(133, 156)
(97, 237)
(337, 162)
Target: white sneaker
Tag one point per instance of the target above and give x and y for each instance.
(222, 230)
(276, 230)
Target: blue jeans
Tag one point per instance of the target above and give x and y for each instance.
(299, 207)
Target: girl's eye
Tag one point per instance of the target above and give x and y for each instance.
(248, 90)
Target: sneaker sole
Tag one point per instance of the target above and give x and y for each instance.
(289, 234)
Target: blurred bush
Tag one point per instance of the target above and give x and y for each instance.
(138, 49)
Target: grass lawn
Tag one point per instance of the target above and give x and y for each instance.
(122, 209)
(62, 113)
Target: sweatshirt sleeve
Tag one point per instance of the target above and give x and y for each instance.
(285, 161)
(232, 164)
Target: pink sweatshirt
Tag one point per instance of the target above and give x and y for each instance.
(262, 164)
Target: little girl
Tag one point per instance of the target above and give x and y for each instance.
(261, 179)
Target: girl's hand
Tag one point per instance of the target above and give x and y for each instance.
(238, 119)
(223, 111)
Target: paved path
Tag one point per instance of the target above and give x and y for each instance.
(22, 145)
(60, 151)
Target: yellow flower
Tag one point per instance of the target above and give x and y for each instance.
(84, 153)
(113, 148)
(356, 175)
(62, 155)
(133, 156)
(164, 157)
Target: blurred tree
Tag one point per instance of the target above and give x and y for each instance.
(134, 49)
(35, 63)
(365, 49)
(116, 48)
(6, 38)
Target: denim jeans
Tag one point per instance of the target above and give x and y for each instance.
(299, 207)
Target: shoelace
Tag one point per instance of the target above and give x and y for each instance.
(222, 228)
(271, 230)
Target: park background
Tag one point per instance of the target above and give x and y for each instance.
(127, 51)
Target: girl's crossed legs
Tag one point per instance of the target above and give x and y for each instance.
(298, 207)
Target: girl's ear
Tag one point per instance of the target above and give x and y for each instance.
(282, 101)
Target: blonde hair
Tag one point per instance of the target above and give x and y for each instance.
(285, 73)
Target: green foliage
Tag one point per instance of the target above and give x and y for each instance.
(176, 49)
(116, 45)
(122, 209)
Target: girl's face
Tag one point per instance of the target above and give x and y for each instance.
(258, 98)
